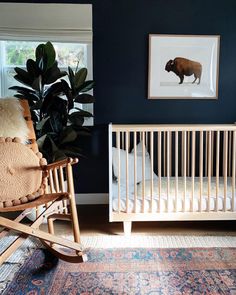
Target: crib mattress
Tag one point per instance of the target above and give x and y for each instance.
(166, 206)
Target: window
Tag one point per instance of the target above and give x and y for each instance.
(20, 34)
(15, 54)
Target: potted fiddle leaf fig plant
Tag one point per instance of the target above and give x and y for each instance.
(55, 104)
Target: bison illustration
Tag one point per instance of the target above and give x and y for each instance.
(185, 67)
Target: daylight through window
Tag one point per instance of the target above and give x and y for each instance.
(15, 54)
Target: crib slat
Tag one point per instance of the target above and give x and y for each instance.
(151, 172)
(212, 152)
(206, 154)
(184, 167)
(182, 154)
(170, 151)
(217, 169)
(135, 171)
(188, 153)
(201, 169)
(159, 169)
(176, 168)
(146, 140)
(229, 160)
(168, 168)
(209, 171)
(127, 169)
(118, 147)
(193, 166)
(233, 170)
(225, 152)
(143, 170)
(123, 140)
(164, 153)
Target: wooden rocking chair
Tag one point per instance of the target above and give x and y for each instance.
(26, 182)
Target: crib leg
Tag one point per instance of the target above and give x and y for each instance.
(127, 225)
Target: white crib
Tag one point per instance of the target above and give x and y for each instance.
(171, 172)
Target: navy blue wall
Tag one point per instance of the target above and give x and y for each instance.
(120, 52)
(121, 31)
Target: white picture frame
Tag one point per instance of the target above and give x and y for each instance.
(176, 61)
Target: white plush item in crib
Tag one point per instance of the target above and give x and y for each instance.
(12, 122)
(139, 159)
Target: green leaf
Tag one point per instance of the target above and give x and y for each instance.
(28, 93)
(68, 93)
(53, 74)
(68, 135)
(86, 86)
(23, 76)
(54, 89)
(20, 96)
(37, 83)
(66, 88)
(82, 113)
(84, 98)
(30, 96)
(37, 105)
(23, 80)
(40, 124)
(80, 77)
(71, 78)
(39, 51)
(71, 151)
(76, 119)
(39, 55)
(34, 115)
(50, 55)
(81, 130)
(41, 140)
(57, 154)
(22, 89)
(32, 68)
(56, 122)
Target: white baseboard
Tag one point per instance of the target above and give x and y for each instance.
(89, 199)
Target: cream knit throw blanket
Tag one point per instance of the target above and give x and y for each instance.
(12, 122)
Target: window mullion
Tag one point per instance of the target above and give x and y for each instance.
(2, 65)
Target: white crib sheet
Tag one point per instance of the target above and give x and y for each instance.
(180, 199)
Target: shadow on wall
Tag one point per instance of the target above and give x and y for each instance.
(91, 174)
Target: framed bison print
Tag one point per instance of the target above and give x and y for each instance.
(183, 66)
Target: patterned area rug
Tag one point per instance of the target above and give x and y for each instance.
(15, 261)
(130, 271)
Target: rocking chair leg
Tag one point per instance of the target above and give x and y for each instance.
(32, 230)
(75, 221)
(39, 234)
(16, 243)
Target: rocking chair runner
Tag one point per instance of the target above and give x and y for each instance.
(26, 182)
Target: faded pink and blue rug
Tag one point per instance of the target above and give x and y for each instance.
(130, 271)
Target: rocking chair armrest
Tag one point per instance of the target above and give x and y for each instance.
(62, 163)
(46, 198)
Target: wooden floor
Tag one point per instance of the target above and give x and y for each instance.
(94, 220)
